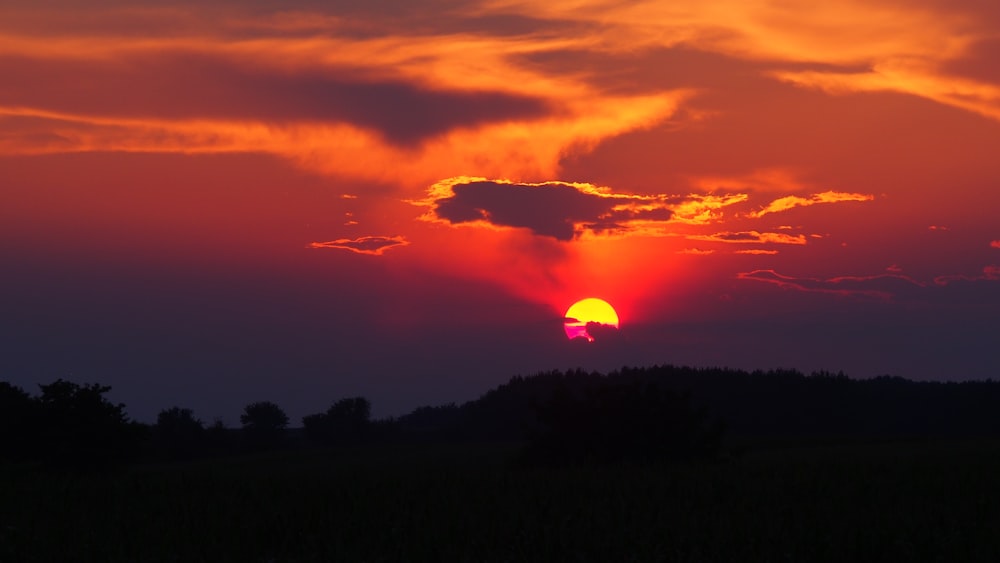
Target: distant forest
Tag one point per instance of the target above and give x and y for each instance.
(643, 414)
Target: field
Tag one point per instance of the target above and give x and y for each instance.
(905, 501)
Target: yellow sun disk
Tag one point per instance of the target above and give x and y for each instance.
(590, 310)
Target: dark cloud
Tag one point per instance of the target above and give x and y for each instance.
(892, 286)
(374, 245)
(882, 286)
(746, 236)
(559, 210)
(175, 86)
(751, 237)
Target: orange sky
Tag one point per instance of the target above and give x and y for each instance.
(343, 192)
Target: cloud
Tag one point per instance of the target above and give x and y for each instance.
(989, 273)
(916, 77)
(391, 105)
(704, 209)
(745, 237)
(901, 47)
(885, 287)
(758, 251)
(696, 251)
(995, 243)
(564, 210)
(374, 245)
(790, 202)
(882, 286)
(200, 86)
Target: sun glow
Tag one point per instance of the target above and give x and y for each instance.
(589, 310)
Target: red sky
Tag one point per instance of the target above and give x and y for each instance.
(212, 203)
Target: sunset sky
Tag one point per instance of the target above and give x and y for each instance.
(210, 203)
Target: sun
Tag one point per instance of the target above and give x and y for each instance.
(589, 310)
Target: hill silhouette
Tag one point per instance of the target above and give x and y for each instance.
(780, 404)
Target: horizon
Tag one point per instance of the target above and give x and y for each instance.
(295, 419)
(208, 204)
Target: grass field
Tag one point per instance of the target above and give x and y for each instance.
(906, 501)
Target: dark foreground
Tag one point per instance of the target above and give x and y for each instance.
(905, 501)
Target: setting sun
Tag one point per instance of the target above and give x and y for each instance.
(590, 310)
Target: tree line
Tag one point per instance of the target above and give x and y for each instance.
(653, 413)
(75, 425)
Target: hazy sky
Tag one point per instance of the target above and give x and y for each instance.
(205, 204)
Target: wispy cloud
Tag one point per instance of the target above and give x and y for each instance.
(886, 287)
(406, 107)
(989, 273)
(374, 245)
(902, 48)
(882, 286)
(917, 77)
(791, 202)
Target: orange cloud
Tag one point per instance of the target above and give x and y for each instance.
(917, 78)
(848, 32)
(705, 209)
(758, 251)
(790, 202)
(418, 108)
(373, 245)
(901, 47)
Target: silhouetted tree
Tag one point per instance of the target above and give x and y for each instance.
(178, 434)
(346, 422)
(78, 426)
(264, 423)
